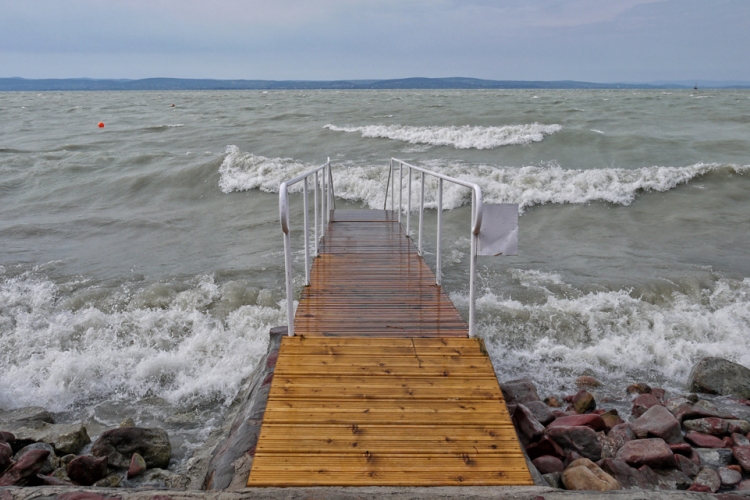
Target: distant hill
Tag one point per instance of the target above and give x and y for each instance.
(22, 84)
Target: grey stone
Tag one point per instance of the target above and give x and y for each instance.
(628, 477)
(582, 440)
(528, 426)
(541, 412)
(554, 479)
(709, 478)
(29, 416)
(158, 478)
(673, 479)
(740, 440)
(49, 465)
(720, 376)
(729, 477)
(714, 457)
(64, 438)
(111, 481)
(519, 391)
(119, 444)
(686, 465)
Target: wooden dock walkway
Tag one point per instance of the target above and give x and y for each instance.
(381, 384)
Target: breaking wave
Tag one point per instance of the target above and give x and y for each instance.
(466, 137)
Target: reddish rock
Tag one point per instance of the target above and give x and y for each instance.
(744, 485)
(586, 381)
(735, 467)
(704, 440)
(681, 448)
(639, 388)
(628, 477)
(582, 440)
(742, 455)
(687, 466)
(545, 446)
(700, 488)
(658, 393)
(643, 403)
(571, 457)
(728, 442)
(689, 411)
(709, 478)
(611, 418)
(26, 469)
(614, 440)
(137, 466)
(51, 481)
(6, 456)
(527, 425)
(548, 464)
(649, 474)
(591, 420)
(623, 431)
(583, 402)
(540, 411)
(7, 437)
(561, 413)
(711, 425)
(652, 452)
(658, 422)
(86, 470)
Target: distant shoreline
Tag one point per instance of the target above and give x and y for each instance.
(79, 84)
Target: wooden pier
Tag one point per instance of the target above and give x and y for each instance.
(381, 384)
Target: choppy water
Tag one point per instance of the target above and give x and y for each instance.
(141, 264)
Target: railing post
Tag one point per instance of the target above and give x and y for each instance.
(284, 212)
(324, 218)
(438, 265)
(391, 176)
(421, 217)
(315, 202)
(330, 191)
(408, 203)
(473, 270)
(306, 209)
(400, 190)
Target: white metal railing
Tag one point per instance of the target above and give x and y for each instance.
(322, 184)
(476, 219)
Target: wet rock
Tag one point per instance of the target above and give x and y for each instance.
(738, 426)
(658, 393)
(86, 470)
(714, 457)
(653, 452)
(687, 466)
(611, 418)
(704, 440)
(643, 403)
(519, 391)
(158, 478)
(29, 416)
(547, 464)
(709, 478)
(742, 455)
(711, 425)
(128, 422)
(582, 440)
(43, 480)
(658, 422)
(49, 465)
(64, 438)
(609, 446)
(583, 474)
(689, 411)
(540, 411)
(681, 448)
(729, 477)
(720, 376)
(118, 445)
(622, 431)
(672, 404)
(744, 485)
(25, 470)
(111, 481)
(526, 424)
(7, 437)
(672, 479)
(639, 388)
(590, 420)
(740, 440)
(587, 381)
(552, 402)
(554, 479)
(545, 446)
(628, 477)
(583, 402)
(137, 466)
(6, 454)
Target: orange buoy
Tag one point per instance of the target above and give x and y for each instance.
(101, 124)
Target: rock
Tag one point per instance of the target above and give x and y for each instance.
(43, 480)
(709, 478)
(527, 425)
(158, 478)
(582, 440)
(64, 438)
(744, 485)
(609, 445)
(547, 464)
(628, 477)
(111, 481)
(552, 402)
(653, 452)
(128, 422)
(720, 376)
(540, 411)
(29, 416)
(571, 457)
(687, 466)
(554, 479)
(681, 448)
(66, 459)
(137, 466)
(622, 431)
(742, 455)
(729, 477)
(711, 425)
(699, 488)
(7, 437)
(6, 455)
(673, 403)
(583, 402)
(740, 426)
(658, 422)
(587, 381)
(611, 418)
(649, 475)
(714, 457)
(740, 440)
(86, 470)
(583, 474)
(519, 391)
(704, 440)
(672, 479)
(658, 393)
(26, 469)
(120, 444)
(60, 473)
(590, 420)
(643, 403)
(545, 446)
(49, 465)
(638, 388)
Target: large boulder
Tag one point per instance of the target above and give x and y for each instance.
(29, 416)
(64, 438)
(519, 391)
(658, 422)
(720, 376)
(25, 470)
(583, 474)
(118, 445)
(653, 452)
(86, 470)
(540, 411)
(582, 440)
(589, 420)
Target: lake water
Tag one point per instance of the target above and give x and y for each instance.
(141, 264)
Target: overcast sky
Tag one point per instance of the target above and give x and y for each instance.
(590, 40)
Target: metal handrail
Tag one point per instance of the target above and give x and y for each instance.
(476, 221)
(324, 184)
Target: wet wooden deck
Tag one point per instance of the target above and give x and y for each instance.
(381, 384)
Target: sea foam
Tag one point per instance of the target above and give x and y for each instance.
(527, 186)
(465, 137)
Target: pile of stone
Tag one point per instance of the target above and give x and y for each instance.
(682, 442)
(36, 451)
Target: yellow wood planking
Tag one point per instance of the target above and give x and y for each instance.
(382, 386)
